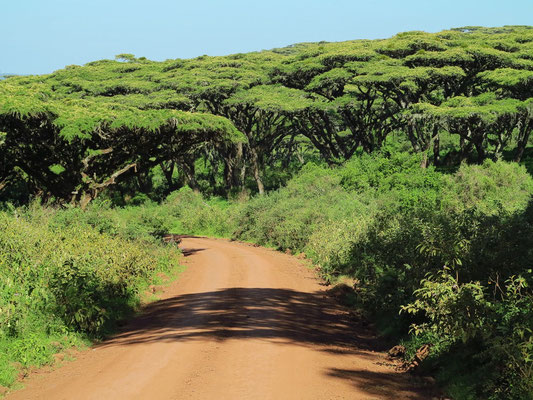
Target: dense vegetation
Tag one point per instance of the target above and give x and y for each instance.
(462, 94)
(439, 259)
(66, 276)
(404, 164)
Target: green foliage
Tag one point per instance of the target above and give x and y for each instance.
(285, 219)
(65, 276)
(488, 189)
(453, 251)
(112, 121)
(500, 323)
(192, 214)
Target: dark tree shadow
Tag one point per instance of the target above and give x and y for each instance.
(280, 315)
(189, 252)
(390, 386)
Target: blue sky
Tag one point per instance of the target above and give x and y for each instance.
(40, 36)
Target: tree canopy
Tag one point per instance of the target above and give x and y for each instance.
(110, 118)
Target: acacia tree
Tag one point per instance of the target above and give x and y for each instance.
(263, 113)
(475, 83)
(75, 150)
(524, 127)
(518, 84)
(209, 82)
(482, 121)
(7, 168)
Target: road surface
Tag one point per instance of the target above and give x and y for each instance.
(241, 322)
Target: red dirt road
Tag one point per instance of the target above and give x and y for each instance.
(240, 323)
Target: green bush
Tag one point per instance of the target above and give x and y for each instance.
(63, 278)
(192, 214)
(489, 189)
(286, 219)
(500, 323)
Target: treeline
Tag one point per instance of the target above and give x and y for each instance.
(239, 120)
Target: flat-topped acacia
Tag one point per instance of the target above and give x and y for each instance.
(94, 141)
(338, 96)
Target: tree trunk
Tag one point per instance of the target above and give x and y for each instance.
(425, 160)
(480, 150)
(92, 189)
(519, 153)
(522, 142)
(436, 150)
(168, 171)
(240, 170)
(3, 184)
(465, 147)
(257, 171)
(188, 170)
(242, 176)
(228, 174)
(85, 200)
(412, 137)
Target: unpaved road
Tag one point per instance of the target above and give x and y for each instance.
(240, 323)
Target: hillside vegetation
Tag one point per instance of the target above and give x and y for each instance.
(401, 166)
(435, 259)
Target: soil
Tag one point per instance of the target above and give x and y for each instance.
(241, 322)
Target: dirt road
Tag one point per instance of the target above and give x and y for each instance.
(240, 323)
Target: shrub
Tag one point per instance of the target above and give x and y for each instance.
(60, 279)
(286, 218)
(192, 214)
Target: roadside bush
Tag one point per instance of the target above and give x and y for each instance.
(286, 218)
(406, 239)
(61, 282)
(146, 222)
(330, 244)
(492, 188)
(496, 321)
(192, 214)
